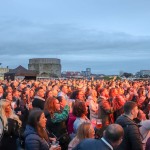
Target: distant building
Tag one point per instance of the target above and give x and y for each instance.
(2, 72)
(86, 73)
(144, 72)
(46, 67)
(71, 74)
(20, 73)
(77, 74)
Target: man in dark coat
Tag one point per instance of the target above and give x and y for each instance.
(132, 138)
(39, 100)
(112, 138)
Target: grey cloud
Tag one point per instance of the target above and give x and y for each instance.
(21, 40)
(28, 37)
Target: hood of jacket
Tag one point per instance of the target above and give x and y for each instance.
(29, 130)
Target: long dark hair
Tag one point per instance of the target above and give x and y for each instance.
(33, 121)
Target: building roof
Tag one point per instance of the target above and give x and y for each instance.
(21, 71)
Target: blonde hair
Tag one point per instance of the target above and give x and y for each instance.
(83, 131)
(12, 115)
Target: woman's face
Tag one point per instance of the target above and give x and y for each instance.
(31, 93)
(8, 108)
(1, 89)
(57, 105)
(9, 96)
(50, 94)
(81, 95)
(42, 120)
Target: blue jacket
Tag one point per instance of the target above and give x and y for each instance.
(33, 141)
(92, 144)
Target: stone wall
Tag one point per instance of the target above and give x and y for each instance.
(46, 67)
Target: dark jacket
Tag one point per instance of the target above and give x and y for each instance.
(38, 102)
(92, 144)
(132, 137)
(10, 136)
(148, 144)
(58, 127)
(33, 141)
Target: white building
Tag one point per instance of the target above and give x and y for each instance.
(2, 71)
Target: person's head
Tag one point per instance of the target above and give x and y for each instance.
(131, 109)
(31, 93)
(15, 84)
(52, 105)
(85, 130)
(81, 95)
(78, 94)
(21, 86)
(55, 87)
(93, 93)
(1, 90)
(62, 101)
(5, 107)
(112, 84)
(9, 89)
(141, 92)
(104, 92)
(114, 134)
(54, 92)
(113, 92)
(135, 85)
(8, 96)
(37, 120)
(64, 88)
(120, 91)
(48, 94)
(99, 87)
(7, 112)
(79, 108)
(16, 93)
(40, 92)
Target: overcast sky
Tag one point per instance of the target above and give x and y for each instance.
(107, 36)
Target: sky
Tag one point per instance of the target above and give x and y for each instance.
(107, 36)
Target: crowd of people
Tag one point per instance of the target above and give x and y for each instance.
(74, 114)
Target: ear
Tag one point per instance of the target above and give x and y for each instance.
(132, 112)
